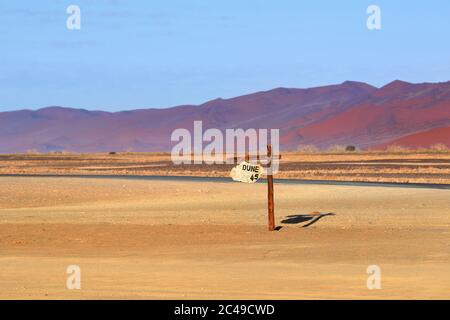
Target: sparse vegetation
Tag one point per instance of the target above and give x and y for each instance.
(336, 149)
(397, 149)
(307, 148)
(32, 151)
(440, 147)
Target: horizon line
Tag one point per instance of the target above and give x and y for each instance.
(229, 98)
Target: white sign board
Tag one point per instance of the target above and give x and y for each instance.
(246, 172)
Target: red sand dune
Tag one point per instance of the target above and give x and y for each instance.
(348, 113)
(423, 139)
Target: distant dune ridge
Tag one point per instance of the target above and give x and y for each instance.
(350, 113)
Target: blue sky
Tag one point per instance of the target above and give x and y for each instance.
(161, 53)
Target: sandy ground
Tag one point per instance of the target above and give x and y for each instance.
(170, 240)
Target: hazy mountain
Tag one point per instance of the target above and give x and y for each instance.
(349, 113)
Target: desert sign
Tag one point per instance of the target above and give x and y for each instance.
(246, 172)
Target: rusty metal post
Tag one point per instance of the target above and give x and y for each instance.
(270, 202)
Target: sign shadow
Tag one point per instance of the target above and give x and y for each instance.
(310, 218)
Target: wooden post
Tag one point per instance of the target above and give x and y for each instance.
(270, 202)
